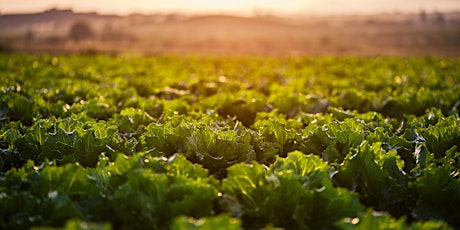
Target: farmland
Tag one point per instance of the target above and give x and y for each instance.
(196, 142)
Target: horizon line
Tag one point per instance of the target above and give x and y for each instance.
(247, 13)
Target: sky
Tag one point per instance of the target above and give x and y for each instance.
(297, 7)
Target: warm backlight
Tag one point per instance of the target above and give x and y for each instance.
(234, 6)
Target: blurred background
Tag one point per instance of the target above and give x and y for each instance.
(251, 27)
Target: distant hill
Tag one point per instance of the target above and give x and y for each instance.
(384, 34)
(57, 16)
(8, 21)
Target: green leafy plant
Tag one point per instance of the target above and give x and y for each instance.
(166, 142)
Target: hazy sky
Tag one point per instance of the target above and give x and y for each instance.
(230, 6)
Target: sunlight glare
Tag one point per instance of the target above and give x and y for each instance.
(226, 6)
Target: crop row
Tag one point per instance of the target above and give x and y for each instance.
(167, 142)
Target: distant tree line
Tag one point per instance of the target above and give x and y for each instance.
(81, 30)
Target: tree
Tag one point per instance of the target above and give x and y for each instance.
(29, 36)
(81, 31)
(423, 15)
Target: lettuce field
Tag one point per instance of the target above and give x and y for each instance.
(130, 142)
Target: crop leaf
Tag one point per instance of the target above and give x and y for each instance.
(381, 220)
(294, 193)
(378, 177)
(438, 195)
(221, 222)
